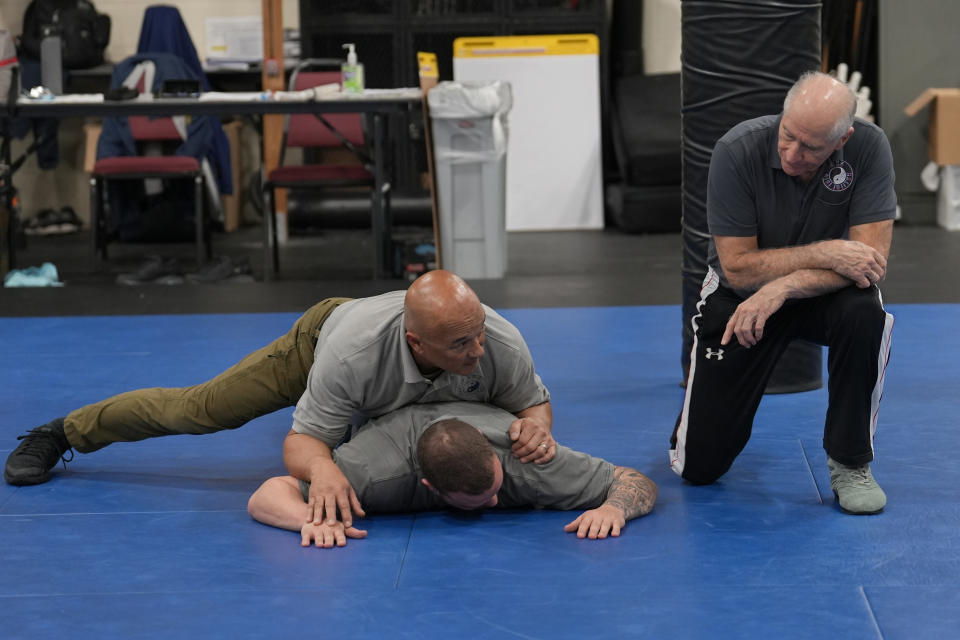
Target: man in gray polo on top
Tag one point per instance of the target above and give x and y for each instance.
(342, 359)
(436, 344)
(800, 207)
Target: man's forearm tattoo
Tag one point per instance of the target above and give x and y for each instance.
(632, 492)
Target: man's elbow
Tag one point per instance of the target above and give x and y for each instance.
(266, 503)
(255, 503)
(737, 278)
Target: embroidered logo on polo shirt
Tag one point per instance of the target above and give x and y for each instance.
(469, 386)
(839, 177)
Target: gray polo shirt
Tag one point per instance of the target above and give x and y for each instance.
(363, 368)
(381, 464)
(748, 194)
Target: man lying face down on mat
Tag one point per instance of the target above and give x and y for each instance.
(458, 454)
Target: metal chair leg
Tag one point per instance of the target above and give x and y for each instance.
(95, 224)
(199, 219)
(270, 256)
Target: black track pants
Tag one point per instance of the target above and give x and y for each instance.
(726, 383)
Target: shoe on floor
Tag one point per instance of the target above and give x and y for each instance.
(50, 222)
(41, 449)
(154, 270)
(855, 489)
(67, 221)
(43, 223)
(222, 268)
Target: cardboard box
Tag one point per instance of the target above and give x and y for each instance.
(944, 136)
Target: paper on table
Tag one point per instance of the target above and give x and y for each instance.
(65, 98)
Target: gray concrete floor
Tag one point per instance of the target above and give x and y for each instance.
(545, 269)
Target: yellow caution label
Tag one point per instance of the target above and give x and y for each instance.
(567, 44)
(427, 63)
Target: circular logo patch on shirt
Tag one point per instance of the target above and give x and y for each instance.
(469, 386)
(839, 177)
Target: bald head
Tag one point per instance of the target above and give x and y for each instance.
(817, 120)
(822, 101)
(437, 298)
(444, 323)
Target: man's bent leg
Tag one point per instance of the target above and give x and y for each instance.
(858, 336)
(724, 389)
(856, 328)
(266, 380)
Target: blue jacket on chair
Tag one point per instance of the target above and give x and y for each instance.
(163, 31)
(205, 136)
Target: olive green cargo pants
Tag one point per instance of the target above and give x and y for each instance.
(266, 380)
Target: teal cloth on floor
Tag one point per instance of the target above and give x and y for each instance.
(43, 276)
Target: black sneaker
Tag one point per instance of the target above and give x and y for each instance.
(68, 221)
(44, 223)
(222, 269)
(154, 270)
(32, 460)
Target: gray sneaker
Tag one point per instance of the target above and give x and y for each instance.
(855, 489)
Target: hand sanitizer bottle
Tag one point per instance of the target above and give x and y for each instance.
(351, 72)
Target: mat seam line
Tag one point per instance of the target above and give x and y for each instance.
(813, 476)
(117, 513)
(403, 558)
(873, 617)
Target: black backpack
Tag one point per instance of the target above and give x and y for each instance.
(84, 33)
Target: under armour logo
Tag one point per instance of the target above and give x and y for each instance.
(711, 353)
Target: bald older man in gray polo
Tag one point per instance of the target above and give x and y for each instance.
(800, 207)
(436, 343)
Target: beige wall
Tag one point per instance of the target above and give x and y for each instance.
(661, 36)
(126, 16)
(67, 184)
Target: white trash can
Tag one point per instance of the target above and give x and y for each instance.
(948, 199)
(469, 123)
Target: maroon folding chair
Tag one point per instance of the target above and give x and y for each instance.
(317, 131)
(147, 129)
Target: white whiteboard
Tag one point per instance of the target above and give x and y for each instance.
(553, 148)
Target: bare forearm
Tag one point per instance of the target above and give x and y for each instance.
(631, 492)
(540, 412)
(753, 269)
(809, 283)
(302, 454)
(862, 259)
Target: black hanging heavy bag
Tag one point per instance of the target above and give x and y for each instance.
(84, 33)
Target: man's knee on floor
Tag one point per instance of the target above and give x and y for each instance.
(702, 471)
(702, 475)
